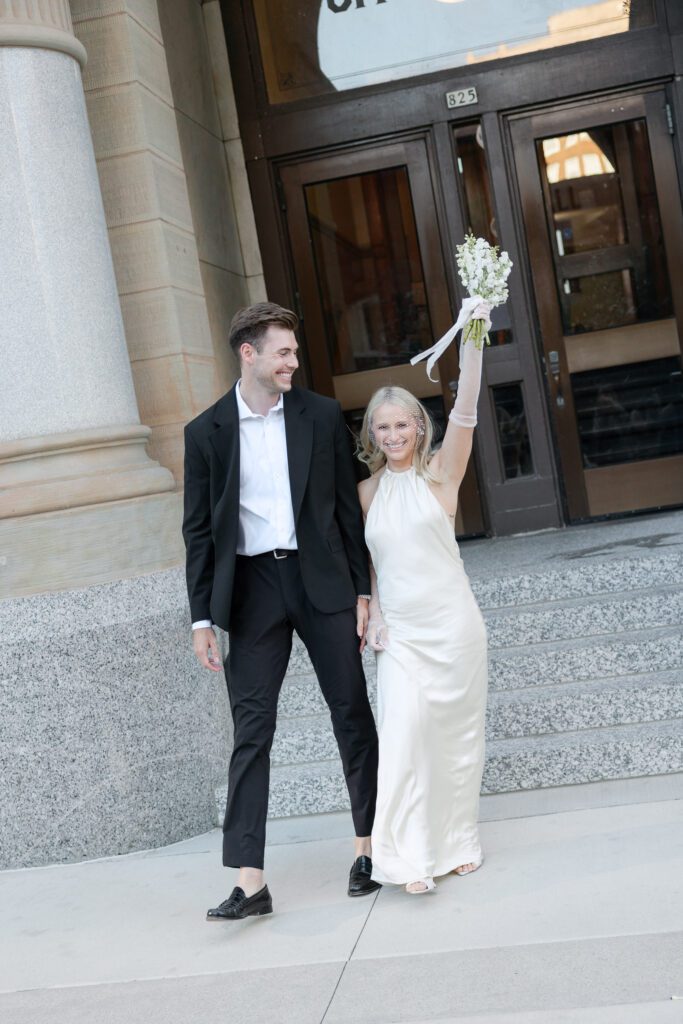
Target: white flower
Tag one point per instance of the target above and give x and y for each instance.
(483, 270)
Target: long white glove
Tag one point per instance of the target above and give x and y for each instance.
(464, 412)
(378, 633)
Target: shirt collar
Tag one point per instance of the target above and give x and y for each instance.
(245, 413)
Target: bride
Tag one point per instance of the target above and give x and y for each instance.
(430, 637)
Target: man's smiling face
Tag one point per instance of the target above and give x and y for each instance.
(274, 362)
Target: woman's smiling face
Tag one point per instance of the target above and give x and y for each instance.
(395, 431)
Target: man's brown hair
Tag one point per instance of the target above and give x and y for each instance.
(251, 323)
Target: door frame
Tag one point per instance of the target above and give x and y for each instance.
(412, 152)
(648, 103)
(409, 153)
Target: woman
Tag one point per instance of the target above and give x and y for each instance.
(430, 637)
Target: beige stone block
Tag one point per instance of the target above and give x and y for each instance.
(141, 186)
(162, 390)
(208, 186)
(128, 118)
(220, 67)
(244, 209)
(94, 544)
(225, 294)
(165, 321)
(167, 446)
(174, 388)
(189, 65)
(256, 289)
(154, 255)
(143, 11)
(205, 387)
(120, 51)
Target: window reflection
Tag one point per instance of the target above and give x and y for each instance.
(587, 214)
(513, 431)
(600, 193)
(369, 269)
(597, 302)
(627, 413)
(479, 213)
(309, 47)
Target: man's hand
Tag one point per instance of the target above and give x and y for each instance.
(206, 649)
(361, 620)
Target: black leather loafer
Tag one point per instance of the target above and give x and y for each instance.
(238, 905)
(360, 881)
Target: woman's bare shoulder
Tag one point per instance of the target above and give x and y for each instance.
(367, 488)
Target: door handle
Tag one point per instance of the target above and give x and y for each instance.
(554, 360)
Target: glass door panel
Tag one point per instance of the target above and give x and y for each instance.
(478, 209)
(371, 281)
(369, 270)
(603, 282)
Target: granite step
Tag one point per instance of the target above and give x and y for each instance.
(576, 618)
(569, 619)
(570, 758)
(641, 651)
(541, 665)
(620, 578)
(554, 709)
(569, 707)
(585, 683)
(594, 578)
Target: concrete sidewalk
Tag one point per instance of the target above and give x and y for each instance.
(575, 918)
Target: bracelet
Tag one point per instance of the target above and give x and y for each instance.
(365, 597)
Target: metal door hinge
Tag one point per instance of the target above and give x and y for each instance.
(670, 119)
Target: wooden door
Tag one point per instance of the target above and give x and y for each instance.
(370, 281)
(604, 229)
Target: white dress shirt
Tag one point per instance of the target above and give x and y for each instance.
(266, 519)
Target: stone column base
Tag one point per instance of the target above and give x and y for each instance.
(84, 467)
(94, 544)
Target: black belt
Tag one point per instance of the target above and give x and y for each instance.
(276, 553)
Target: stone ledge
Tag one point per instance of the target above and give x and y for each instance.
(57, 551)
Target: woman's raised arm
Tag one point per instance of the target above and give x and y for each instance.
(452, 458)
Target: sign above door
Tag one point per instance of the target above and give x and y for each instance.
(310, 47)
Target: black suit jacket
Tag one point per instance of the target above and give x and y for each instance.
(327, 514)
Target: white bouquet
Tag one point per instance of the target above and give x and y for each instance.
(483, 271)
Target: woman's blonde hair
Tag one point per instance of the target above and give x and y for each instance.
(367, 449)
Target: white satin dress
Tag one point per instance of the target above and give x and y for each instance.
(432, 684)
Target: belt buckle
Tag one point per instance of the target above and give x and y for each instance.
(278, 557)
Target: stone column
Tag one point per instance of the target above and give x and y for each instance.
(70, 434)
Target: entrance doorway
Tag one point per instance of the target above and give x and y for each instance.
(604, 229)
(371, 282)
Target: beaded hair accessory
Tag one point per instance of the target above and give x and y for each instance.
(419, 424)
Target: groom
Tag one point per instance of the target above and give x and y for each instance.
(274, 539)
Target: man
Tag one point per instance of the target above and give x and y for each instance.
(274, 539)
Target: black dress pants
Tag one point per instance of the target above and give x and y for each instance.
(269, 603)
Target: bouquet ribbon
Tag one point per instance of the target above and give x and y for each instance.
(473, 308)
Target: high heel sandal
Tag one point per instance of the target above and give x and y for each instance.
(461, 874)
(428, 883)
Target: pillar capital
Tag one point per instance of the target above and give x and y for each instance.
(41, 24)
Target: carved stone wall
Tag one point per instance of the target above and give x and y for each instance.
(178, 209)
